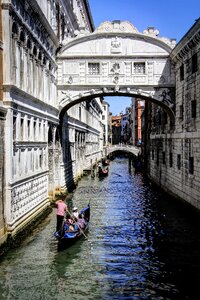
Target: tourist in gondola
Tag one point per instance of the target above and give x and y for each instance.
(75, 213)
(81, 221)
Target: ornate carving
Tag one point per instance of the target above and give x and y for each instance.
(151, 94)
(116, 45)
(116, 89)
(116, 26)
(166, 96)
(26, 196)
(67, 95)
(92, 92)
(151, 31)
(70, 80)
(115, 68)
(116, 79)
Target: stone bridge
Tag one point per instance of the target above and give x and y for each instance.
(116, 60)
(124, 148)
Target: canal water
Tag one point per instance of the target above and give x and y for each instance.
(141, 245)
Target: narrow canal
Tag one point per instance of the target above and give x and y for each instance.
(141, 245)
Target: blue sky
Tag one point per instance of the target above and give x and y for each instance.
(173, 18)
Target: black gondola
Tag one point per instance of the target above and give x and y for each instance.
(105, 162)
(67, 237)
(103, 171)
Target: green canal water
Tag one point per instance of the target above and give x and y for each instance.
(141, 245)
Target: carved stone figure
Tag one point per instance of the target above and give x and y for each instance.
(116, 45)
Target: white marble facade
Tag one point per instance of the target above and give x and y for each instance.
(115, 59)
(34, 160)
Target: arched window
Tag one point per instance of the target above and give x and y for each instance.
(14, 29)
(57, 137)
(40, 56)
(35, 51)
(44, 61)
(22, 37)
(50, 136)
(29, 44)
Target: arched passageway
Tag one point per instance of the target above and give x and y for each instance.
(137, 94)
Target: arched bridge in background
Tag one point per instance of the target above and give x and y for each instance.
(124, 148)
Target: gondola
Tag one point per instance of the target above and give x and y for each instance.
(68, 237)
(105, 162)
(103, 172)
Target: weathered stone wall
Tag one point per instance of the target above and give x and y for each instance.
(2, 124)
(2, 216)
(28, 77)
(175, 154)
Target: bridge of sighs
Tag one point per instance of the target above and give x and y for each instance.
(116, 59)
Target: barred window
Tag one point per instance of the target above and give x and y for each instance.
(152, 154)
(164, 160)
(194, 63)
(93, 68)
(170, 160)
(181, 112)
(182, 72)
(139, 68)
(178, 161)
(191, 165)
(157, 157)
(193, 108)
(79, 111)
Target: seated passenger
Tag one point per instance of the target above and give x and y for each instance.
(81, 221)
(71, 228)
(75, 212)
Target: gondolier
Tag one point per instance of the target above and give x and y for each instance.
(60, 213)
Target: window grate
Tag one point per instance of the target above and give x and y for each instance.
(93, 68)
(139, 68)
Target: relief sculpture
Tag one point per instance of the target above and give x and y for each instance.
(115, 68)
(116, 45)
(167, 97)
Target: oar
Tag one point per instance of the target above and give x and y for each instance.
(116, 174)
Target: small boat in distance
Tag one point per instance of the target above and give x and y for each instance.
(105, 162)
(73, 229)
(103, 171)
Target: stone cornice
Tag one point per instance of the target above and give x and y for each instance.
(3, 112)
(98, 35)
(31, 144)
(99, 58)
(47, 109)
(190, 40)
(89, 14)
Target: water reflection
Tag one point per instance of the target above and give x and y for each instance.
(141, 246)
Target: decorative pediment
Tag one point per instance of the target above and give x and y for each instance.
(116, 27)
